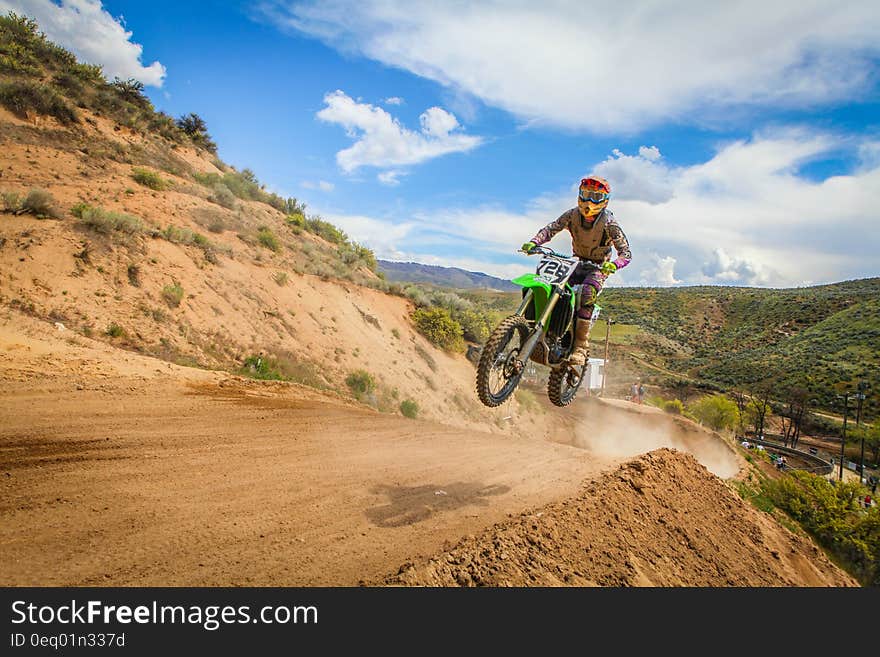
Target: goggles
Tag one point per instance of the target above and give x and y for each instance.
(593, 196)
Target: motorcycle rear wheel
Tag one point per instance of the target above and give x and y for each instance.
(500, 367)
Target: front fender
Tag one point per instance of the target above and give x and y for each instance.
(532, 280)
(542, 291)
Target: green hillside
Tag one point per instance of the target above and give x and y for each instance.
(824, 339)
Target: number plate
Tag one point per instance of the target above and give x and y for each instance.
(555, 271)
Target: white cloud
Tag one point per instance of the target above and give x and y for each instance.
(641, 177)
(722, 268)
(743, 217)
(660, 273)
(747, 217)
(323, 185)
(390, 178)
(384, 237)
(437, 122)
(92, 34)
(650, 153)
(394, 100)
(380, 139)
(869, 155)
(630, 63)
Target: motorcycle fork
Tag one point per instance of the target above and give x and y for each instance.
(527, 297)
(540, 327)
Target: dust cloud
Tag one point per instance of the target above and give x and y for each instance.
(620, 433)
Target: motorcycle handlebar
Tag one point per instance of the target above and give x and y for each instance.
(543, 250)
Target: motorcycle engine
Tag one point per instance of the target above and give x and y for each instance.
(557, 351)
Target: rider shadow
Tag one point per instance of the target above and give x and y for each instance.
(411, 504)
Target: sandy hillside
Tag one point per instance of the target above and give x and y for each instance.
(240, 298)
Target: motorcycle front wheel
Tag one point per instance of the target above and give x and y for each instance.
(501, 367)
(563, 384)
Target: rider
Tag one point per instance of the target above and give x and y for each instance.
(593, 231)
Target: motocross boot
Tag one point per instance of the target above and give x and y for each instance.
(581, 351)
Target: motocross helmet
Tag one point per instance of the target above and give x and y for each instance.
(593, 197)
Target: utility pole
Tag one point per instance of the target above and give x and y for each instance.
(863, 385)
(605, 364)
(843, 440)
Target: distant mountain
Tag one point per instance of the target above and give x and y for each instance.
(414, 272)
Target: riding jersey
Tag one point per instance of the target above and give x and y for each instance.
(590, 241)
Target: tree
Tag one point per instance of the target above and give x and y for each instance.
(741, 400)
(131, 90)
(793, 415)
(759, 404)
(197, 130)
(716, 411)
(192, 124)
(681, 388)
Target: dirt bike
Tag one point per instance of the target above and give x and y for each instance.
(541, 330)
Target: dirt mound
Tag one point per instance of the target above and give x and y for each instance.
(659, 520)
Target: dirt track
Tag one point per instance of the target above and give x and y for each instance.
(117, 469)
(176, 484)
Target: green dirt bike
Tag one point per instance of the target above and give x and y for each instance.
(542, 329)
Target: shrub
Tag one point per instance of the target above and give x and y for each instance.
(409, 408)
(352, 253)
(261, 367)
(11, 202)
(267, 238)
(361, 383)
(474, 324)
(115, 331)
(326, 230)
(173, 294)
(149, 179)
(20, 97)
(716, 411)
(134, 275)
(191, 238)
(295, 221)
(673, 406)
(38, 202)
(131, 91)
(106, 222)
(222, 196)
(72, 85)
(280, 278)
(439, 328)
(195, 128)
(217, 225)
(830, 512)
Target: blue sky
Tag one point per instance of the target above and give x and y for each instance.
(742, 142)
